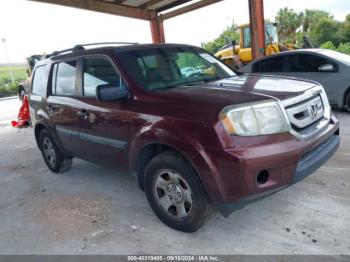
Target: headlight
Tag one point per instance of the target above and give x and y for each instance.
(254, 119)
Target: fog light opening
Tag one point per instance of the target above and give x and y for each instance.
(262, 177)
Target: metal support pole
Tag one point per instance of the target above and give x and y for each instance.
(257, 27)
(157, 30)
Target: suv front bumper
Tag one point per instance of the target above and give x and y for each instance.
(287, 162)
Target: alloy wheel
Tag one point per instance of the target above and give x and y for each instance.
(49, 151)
(173, 194)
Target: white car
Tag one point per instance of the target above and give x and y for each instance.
(329, 68)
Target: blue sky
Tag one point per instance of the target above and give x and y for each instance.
(31, 27)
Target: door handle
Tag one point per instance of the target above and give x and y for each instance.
(83, 114)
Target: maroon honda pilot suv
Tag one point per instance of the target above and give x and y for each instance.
(197, 136)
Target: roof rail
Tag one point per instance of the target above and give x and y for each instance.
(81, 47)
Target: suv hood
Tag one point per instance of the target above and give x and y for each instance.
(209, 98)
(245, 88)
(272, 86)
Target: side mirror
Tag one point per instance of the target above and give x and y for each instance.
(110, 93)
(326, 68)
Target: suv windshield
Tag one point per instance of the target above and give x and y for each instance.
(171, 67)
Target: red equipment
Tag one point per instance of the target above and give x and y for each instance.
(23, 115)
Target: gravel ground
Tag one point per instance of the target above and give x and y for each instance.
(94, 210)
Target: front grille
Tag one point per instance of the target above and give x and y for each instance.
(306, 114)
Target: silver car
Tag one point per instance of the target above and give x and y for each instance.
(330, 68)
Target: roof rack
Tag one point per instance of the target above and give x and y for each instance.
(81, 47)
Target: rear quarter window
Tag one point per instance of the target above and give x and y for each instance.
(39, 81)
(307, 63)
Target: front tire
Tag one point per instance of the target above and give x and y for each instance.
(176, 194)
(53, 157)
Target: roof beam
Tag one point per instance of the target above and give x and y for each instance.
(174, 4)
(104, 7)
(188, 8)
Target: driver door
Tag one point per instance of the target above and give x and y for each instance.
(103, 125)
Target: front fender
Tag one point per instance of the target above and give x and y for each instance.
(188, 147)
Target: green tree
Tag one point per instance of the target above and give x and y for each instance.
(344, 30)
(344, 48)
(289, 21)
(312, 17)
(230, 33)
(327, 29)
(328, 45)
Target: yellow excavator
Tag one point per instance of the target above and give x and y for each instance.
(238, 55)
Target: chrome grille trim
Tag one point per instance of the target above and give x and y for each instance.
(306, 113)
(319, 123)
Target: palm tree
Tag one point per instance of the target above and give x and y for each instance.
(289, 21)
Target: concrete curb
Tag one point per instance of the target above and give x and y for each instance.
(9, 97)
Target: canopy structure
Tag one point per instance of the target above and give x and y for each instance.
(156, 11)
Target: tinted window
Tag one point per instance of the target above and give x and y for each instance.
(274, 64)
(65, 83)
(306, 63)
(98, 71)
(39, 81)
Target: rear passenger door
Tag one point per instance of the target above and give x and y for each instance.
(104, 125)
(62, 105)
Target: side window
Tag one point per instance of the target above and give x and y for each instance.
(307, 63)
(274, 64)
(99, 71)
(247, 37)
(39, 81)
(65, 81)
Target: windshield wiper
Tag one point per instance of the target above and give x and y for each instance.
(187, 84)
(195, 83)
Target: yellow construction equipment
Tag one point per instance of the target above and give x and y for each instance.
(237, 56)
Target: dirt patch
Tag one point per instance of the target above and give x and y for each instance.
(77, 214)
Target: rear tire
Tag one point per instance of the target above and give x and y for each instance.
(53, 157)
(176, 194)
